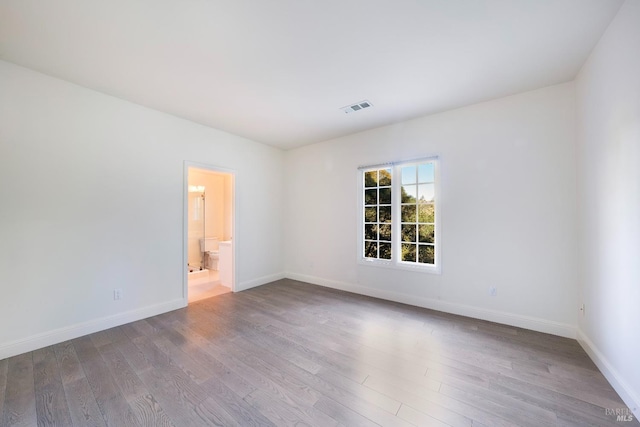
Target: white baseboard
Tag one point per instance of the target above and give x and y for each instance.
(243, 286)
(56, 336)
(511, 319)
(630, 397)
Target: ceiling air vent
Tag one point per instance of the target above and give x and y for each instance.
(356, 107)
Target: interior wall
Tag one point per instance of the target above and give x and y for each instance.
(508, 206)
(91, 193)
(608, 104)
(228, 208)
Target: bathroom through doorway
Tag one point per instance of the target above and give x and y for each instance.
(209, 227)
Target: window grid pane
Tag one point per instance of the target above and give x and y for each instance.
(417, 213)
(377, 199)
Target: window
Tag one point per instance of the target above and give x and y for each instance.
(377, 214)
(399, 215)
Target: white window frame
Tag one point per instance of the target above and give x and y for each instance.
(396, 193)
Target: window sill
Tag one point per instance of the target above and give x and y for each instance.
(395, 265)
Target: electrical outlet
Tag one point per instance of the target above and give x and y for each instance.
(493, 291)
(117, 294)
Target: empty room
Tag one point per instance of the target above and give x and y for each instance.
(320, 213)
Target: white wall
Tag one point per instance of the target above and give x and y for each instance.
(608, 104)
(508, 206)
(91, 195)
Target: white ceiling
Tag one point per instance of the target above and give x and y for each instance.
(278, 71)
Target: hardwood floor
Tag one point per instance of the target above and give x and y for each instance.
(290, 353)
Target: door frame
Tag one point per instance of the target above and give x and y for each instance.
(185, 221)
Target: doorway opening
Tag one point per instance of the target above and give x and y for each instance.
(208, 231)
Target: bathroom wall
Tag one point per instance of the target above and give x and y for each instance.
(195, 229)
(91, 199)
(228, 207)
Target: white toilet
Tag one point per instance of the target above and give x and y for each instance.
(210, 246)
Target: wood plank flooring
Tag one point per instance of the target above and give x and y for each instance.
(294, 354)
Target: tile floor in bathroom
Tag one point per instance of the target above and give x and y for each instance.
(206, 287)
